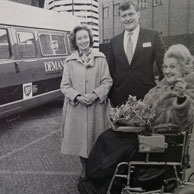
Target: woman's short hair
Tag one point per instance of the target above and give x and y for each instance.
(126, 4)
(73, 35)
(182, 55)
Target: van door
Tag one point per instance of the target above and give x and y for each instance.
(10, 80)
(41, 76)
(28, 54)
(53, 50)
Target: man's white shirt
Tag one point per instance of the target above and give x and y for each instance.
(134, 38)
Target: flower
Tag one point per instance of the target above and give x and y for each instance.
(132, 113)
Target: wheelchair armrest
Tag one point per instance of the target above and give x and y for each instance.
(130, 129)
(167, 128)
(126, 128)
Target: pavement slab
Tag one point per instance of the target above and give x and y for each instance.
(30, 158)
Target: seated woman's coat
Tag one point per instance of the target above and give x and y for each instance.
(163, 100)
(113, 147)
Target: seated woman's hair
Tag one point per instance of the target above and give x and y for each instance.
(182, 55)
(73, 35)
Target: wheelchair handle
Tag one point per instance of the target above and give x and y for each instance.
(165, 126)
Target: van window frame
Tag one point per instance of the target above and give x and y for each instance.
(9, 43)
(35, 46)
(51, 33)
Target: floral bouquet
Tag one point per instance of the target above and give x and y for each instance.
(134, 113)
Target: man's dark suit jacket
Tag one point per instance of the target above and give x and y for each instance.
(137, 78)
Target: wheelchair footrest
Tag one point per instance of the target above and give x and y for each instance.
(121, 176)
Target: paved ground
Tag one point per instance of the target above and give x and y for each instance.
(30, 159)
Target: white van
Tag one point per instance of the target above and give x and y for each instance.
(33, 46)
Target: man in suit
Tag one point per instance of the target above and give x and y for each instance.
(132, 56)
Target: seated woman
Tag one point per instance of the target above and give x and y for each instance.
(173, 102)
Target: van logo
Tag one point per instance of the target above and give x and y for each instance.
(27, 90)
(50, 66)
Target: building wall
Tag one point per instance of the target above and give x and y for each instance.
(86, 9)
(109, 19)
(171, 18)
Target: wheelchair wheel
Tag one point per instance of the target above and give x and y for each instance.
(188, 189)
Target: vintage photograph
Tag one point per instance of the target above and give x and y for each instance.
(96, 97)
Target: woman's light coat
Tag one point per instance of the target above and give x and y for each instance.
(81, 124)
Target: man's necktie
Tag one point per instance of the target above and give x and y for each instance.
(129, 50)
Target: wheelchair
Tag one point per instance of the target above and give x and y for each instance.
(160, 164)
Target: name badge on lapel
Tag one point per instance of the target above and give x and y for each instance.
(147, 44)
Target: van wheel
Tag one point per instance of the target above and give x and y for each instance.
(188, 189)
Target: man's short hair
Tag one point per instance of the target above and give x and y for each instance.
(126, 4)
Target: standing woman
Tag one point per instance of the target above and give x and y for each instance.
(85, 84)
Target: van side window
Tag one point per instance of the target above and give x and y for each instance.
(59, 44)
(52, 44)
(26, 43)
(4, 45)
